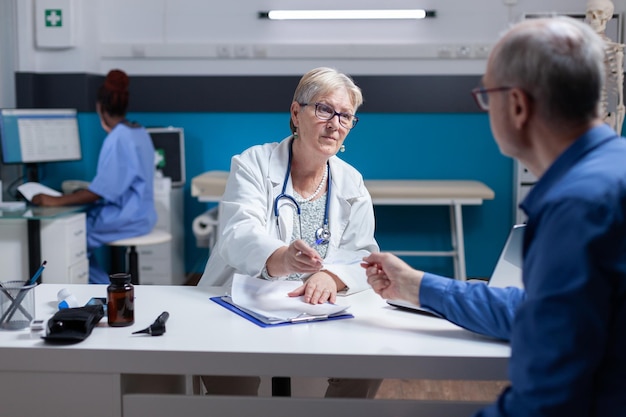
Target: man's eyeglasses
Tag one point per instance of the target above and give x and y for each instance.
(481, 95)
(326, 112)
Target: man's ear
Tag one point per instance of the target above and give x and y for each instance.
(520, 107)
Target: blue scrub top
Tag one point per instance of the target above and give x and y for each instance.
(125, 181)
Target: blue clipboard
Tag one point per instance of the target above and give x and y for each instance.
(262, 321)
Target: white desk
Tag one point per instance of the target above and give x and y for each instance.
(93, 378)
(209, 187)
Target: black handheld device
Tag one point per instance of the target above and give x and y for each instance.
(158, 327)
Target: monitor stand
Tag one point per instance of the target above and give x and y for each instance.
(33, 228)
(32, 172)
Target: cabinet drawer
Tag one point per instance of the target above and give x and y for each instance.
(162, 250)
(160, 278)
(160, 266)
(70, 229)
(64, 239)
(76, 253)
(78, 273)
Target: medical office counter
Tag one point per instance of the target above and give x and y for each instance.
(95, 377)
(209, 187)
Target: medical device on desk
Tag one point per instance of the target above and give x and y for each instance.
(322, 235)
(158, 327)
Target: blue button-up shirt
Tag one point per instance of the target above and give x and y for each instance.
(567, 329)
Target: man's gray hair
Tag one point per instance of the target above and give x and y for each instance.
(558, 61)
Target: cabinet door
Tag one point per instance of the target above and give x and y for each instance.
(78, 273)
(63, 244)
(13, 250)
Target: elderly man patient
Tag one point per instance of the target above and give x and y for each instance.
(567, 328)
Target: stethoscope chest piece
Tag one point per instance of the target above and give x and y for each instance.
(322, 236)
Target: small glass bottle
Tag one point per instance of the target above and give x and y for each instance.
(120, 301)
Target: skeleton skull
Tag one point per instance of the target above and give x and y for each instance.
(598, 14)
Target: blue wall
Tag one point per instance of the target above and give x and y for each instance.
(382, 146)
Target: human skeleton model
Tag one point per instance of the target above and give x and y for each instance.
(612, 103)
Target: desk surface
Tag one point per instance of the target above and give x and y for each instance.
(210, 187)
(205, 338)
(40, 213)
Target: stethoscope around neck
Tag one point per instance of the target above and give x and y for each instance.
(322, 235)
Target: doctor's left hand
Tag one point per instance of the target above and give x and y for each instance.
(318, 289)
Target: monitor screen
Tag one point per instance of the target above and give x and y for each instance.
(169, 146)
(29, 136)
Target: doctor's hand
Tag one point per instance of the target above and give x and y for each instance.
(297, 257)
(392, 278)
(319, 288)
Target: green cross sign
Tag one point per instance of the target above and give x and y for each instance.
(54, 18)
(159, 158)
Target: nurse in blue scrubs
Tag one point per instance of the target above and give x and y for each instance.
(121, 196)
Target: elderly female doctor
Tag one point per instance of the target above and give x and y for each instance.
(294, 210)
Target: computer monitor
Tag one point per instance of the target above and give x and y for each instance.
(169, 145)
(31, 136)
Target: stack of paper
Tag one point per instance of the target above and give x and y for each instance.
(31, 189)
(269, 300)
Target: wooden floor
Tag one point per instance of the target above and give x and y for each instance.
(440, 390)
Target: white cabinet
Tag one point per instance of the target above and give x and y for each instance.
(64, 247)
(163, 264)
(13, 250)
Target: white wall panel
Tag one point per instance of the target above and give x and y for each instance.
(186, 37)
(8, 52)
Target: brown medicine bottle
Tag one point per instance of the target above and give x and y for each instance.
(120, 301)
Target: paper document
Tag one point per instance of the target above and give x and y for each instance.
(270, 299)
(31, 189)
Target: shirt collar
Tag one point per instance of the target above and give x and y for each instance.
(590, 140)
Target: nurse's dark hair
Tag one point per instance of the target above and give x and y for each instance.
(558, 62)
(322, 81)
(113, 93)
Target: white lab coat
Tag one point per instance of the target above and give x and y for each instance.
(248, 232)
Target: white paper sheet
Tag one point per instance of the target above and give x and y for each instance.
(270, 299)
(31, 189)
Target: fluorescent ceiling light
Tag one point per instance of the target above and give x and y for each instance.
(346, 14)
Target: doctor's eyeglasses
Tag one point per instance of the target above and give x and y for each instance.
(326, 112)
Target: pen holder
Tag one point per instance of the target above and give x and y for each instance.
(17, 305)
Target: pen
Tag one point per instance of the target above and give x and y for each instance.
(37, 274)
(302, 318)
(17, 302)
